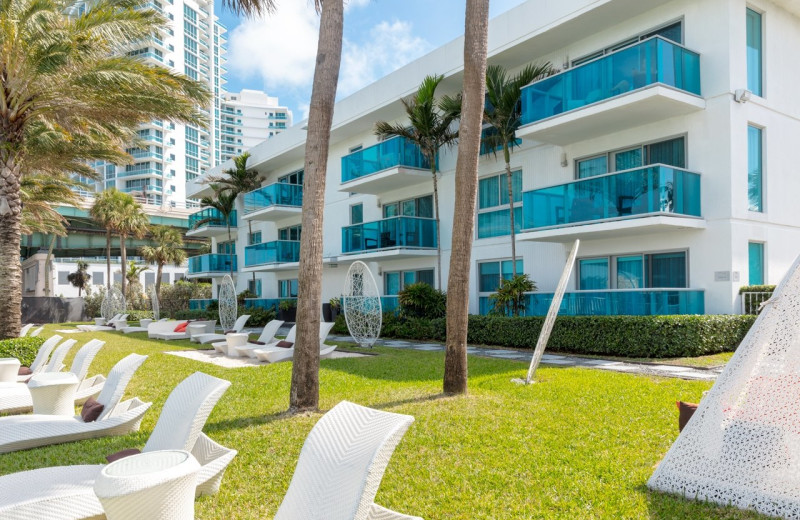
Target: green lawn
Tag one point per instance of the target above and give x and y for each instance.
(579, 444)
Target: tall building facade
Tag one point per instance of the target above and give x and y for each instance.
(665, 143)
(170, 154)
(248, 118)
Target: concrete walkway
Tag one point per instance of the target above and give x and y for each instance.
(650, 369)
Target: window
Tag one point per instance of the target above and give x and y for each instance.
(671, 152)
(673, 31)
(356, 214)
(493, 194)
(254, 287)
(418, 207)
(755, 168)
(755, 263)
(290, 233)
(226, 248)
(396, 281)
(755, 42)
(287, 288)
(292, 178)
(254, 238)
(99, 277)
(356, 149)
(149, 280)
(633, 271)
(490, 273)
(62, 278)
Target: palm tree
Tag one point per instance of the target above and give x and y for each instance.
(130, 221)
(105, 211)
(41, 194)
(430, 127)
(503, 113)
(64, 81)
(238, 179)
(168, 249)
(475, 52)
(132, 272)
(80, 278)
(224, 201)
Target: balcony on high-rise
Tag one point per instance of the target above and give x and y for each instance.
(273, 202)
(209, 222)
(273, 256)
(389, 165)
(394, 237)
(211, 265)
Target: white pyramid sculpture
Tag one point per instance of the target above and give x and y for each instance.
(742, 446)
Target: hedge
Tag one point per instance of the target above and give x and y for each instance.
(24, 349)
(626, 336)
(756, 288)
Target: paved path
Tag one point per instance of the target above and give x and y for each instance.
(652, 369)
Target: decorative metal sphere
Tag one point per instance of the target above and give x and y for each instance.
(361, 304)
(228, 309)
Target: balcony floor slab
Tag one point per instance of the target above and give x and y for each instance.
(273, 213)
(613, 228)
(387, 180)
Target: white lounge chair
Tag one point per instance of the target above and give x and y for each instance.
(166, 329)
(212, 337)
(101, 328)
(275, 354)
(40, 361)
(24, 330)
(21, 432)
(36, 332)
(249, 350)
(15, 397)
(43, 493)
(267, 336)
(341, 466)
(131, 330)
(56, 363)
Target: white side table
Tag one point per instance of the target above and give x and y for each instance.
(100, 322)
(157, 485)
(53, 393)
(236, 339)
(193, 329)
(145, 322)
(9, 368)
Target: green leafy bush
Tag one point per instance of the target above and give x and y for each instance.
(756, 288)
(24, 349)
(136, 315)
(93, 301)
(258, 316)
(176, 297)
(420, 300)
(626, 336)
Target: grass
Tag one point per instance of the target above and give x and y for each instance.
(579, 444)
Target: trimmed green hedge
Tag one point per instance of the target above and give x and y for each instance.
(627, 336)
(756, 288)
(24, 349)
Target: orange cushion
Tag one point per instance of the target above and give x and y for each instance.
(182, 326)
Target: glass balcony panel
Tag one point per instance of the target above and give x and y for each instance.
(279, 251)
(652, 61)
(641, 191)
(645, 302)
(200, 304)
(211, 217)
(265, 303)
(390, 233)
(278, 194)
(212, 263)
(388, 154)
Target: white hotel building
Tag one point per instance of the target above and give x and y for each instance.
(249, 118)
(665, 144)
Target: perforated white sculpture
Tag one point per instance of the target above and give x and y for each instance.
(228, 310)
(154, 302)
(112, 304)
(361, 305)
(742, 446)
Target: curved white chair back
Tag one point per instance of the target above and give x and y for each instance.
(324, 329)
(44, 352)
(342, 463)
(57, 359)
(24, 330)
(185, 412)
(292, 335)
(36, 332)
(83, 359)
(241, 321)
(118, 378)
(270, 329)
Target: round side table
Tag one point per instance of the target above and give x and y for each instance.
(9, 368)
(53, 393)
(157, 485)
(193, 329)
(236, 339)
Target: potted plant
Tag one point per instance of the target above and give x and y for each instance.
(336, 307)
(288, 310)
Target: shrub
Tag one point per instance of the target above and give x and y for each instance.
(136, 315)
(176, 297)
(93, 302)
(420, 300)
(258, 316)
(509, 300)
(186, 314)
(24, 349)
(756, 288)
(626, 336)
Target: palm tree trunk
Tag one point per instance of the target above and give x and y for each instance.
(159, 270)
(475, 51)
(108, 260)
(123, 258)
(48, 271)
(10, 266)
(436, 216)
(304, 394)
(507, 156)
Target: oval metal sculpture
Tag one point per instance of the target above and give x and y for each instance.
(228, 309)
(361, 305)
(154, 306)
(113, 304)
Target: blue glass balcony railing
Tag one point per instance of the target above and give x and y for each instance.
(652, 61)
(630, 193)
(278, 194)
(390, 233)
(628, 302)
(388, 154)
(211, 217)
(200, 304)
(264, 303)
(213, 263)
(279, 251)
(389, 303)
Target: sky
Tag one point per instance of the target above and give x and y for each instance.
(276, 53)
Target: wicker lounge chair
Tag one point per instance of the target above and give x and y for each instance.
(21, 432)
(212, 337)
(36, 332)
(274, 354)
(43, 493)
(267, 336)
(56, 363)
(25, 329)
(40, 361)
(166, 329)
